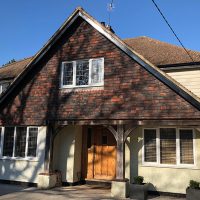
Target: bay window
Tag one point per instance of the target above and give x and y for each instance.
(168, 146)
(19, 142)
(82, 73)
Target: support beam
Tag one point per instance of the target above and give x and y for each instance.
(120, 167)
(49, 150)
(128, 132)
(120, 135)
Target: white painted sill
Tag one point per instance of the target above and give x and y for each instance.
(81, 86)
(31, 159)
(170, 166)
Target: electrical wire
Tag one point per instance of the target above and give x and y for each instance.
(172, 30)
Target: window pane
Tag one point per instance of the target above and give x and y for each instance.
(168, 146)
(97, 71)
(150, 145)
(8, 141)
(82, 72)
(5, 86)
(68, 74)
(20, 142)
(32, 142)
(186, 147)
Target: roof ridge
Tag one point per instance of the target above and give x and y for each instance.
(151, 68)
(18, 61)
(160, 41)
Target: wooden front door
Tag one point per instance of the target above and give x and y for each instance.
(101, 150)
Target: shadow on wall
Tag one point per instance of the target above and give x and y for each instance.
(25, 170)
(63, 158)
(134, 145)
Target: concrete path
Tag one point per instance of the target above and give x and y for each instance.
(83, 192)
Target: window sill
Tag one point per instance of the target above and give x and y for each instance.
(170, 166)
(33, 159)
(81, 89)
(81, 86)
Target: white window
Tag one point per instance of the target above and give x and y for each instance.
(168, 146)
(19, 142)
(4, 86)
(82, 73)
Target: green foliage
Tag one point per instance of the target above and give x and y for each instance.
(194, 184)
(138, 180)
(9, 62)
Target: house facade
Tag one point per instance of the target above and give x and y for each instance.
(95, 107)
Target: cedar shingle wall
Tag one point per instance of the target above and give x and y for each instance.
(129, 91)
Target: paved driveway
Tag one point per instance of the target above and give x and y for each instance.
(83, 192)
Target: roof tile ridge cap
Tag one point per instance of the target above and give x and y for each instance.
(164, 42)
(18, 61)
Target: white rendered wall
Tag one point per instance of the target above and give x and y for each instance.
(25, 170)
(165, 179)
(67, 153)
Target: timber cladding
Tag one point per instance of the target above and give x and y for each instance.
(129, 91)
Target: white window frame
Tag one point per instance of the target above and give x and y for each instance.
(1, 86)
(14, 144)
(178, 164)
(73, 85)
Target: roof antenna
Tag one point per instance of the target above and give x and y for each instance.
(110, 8)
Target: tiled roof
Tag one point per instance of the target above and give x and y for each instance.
(157, 52)
(161, 53)
(10, 71)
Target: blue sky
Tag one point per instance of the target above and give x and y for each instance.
(27, 24)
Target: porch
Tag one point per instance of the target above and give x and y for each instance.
(107, 152)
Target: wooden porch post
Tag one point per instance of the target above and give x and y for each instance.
(120, 165)
(120, 135)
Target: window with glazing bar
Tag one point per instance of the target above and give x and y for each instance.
(82, 73)
(19, 141)
(168, 146)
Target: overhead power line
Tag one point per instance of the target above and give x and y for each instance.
(187, 52)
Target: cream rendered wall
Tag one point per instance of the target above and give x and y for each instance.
(165, 179)
(67, 153)
(188, 78)
(22, 169)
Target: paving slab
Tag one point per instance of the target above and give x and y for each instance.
(83, 192)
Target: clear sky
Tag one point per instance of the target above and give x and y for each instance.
(25, 25)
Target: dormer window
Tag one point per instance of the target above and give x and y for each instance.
(82, 73)
(3, 86)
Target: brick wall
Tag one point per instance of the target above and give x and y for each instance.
(129, 91)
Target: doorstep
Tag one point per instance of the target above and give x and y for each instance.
(99, 182)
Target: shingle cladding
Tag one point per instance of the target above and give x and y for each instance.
(129, 92)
